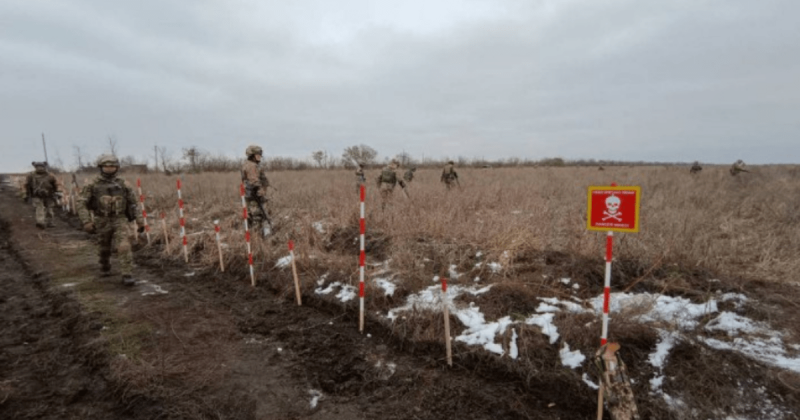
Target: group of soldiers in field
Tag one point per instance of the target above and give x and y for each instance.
(388, 179)
(737, 168)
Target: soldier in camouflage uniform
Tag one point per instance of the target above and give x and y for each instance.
(387, 180)
(449, 175)
(256, 183)
(409, 175)
(361, 179)
(113, 203)
(738, 167)
(696, 168)
(43, 189)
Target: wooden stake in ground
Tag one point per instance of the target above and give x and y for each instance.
(164, 227)
(144, 212)
(247, 237)
(446, 310)
(183, 223)
(219, 246)
(294, 273)
(362, 257)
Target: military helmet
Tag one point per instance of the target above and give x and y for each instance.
(107, 160)
(37, 164)
(253, 150)
(450, 162)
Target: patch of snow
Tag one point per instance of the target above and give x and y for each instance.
(315, 397)
(545, 307)
(495, 267)
(545, 322)
(576, 286)
(476, 279)
(478, 254)
(479, 291)
(733, 324)
(513, 351)
(569, 306)
(69, 284)
(656, 383)
(480, 332)
(677, 310)
(589, 382)
(284, 262)
(387, 286)
(659, 356)
(566, 281)
(770, 351)
(319, 227)
(346, 293)
(322, 279)
(190, 274)
(453, 273)
(571, 359)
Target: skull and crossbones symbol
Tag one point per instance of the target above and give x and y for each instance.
(612, 209)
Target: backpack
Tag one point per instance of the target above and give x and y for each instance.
(388, 176)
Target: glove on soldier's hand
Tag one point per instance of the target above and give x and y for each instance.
(89, 227)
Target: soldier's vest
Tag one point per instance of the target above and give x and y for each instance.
(449, 173)
(42, 185)
(388, 176)
(109, 199)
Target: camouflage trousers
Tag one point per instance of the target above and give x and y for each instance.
(44, 210)
(113, 235)
(255, 218)
(387, 193)
(449, 183)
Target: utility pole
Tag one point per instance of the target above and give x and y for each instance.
(44, 144)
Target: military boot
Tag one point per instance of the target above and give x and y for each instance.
(128, 280)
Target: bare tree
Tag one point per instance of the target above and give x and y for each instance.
(354, 155)
(319, 156)
(194, 156)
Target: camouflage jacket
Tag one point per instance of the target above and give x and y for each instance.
(41, 185)
(108, 196)
(360, 177)
(409, 175)
(389, 176)
(449, 173)
(254, 179)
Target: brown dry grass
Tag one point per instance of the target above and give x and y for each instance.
(742, 226)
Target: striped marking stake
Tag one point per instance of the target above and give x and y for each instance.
(183, 223)
(362, 257)
(247, 237)
(446, 310)
(219, 246)
(294, 273)
(607, 287)
(144, 212)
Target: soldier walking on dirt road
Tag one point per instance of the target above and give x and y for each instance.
(387, 180)
(113, 203)
(256, 183)
(449, 175)
(43, 189)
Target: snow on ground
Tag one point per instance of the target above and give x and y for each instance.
(387, 286)
(284, 262)
(571, 359)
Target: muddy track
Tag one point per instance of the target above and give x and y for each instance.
(214, 347)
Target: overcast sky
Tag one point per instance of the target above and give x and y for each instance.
(605, 79)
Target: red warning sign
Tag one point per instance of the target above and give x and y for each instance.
(614, 208)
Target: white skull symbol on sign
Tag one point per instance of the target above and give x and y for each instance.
(612, 204)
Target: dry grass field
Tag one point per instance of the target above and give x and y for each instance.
(727, 245)
(742, 226)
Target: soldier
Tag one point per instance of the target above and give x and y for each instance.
(409, 175)
(361, 179)
(696, 168)
(387, 180)
(737, 167)
(449, 175)
(113, 203)
(43, 189)
(256, 183)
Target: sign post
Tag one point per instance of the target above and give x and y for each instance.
(611, 209)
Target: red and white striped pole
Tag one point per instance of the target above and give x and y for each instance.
(362, 257)
(607, 287)
(183, 223)
(247, 237)
(144, 212)
(219, 246)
